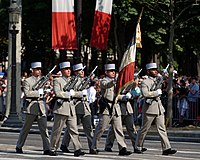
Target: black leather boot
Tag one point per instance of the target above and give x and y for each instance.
(124, 152)
(78, 153)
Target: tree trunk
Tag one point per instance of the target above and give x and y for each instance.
(198, 66)
(104, 59)
(77, 53)
(170, 83)
(94, 59)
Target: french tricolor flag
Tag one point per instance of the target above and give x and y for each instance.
(127, 67)
(63, 25)
(101, 24)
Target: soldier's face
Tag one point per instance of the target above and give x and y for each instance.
(153, 72)
(81, 72)
(66, 72)
(36, 72)
(110, 73)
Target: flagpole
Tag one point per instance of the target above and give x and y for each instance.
(140, 15)
(134, 37)
(139, 19)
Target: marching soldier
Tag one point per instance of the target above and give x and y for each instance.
(83, 111)
(34, 109)
(153, 110)
(64, 112)
(111, 113)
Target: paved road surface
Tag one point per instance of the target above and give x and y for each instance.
(33, 150)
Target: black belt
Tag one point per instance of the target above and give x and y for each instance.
(108, 100)
(64, 99)
(122, 101)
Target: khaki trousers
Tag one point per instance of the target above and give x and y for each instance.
(117, 127)
(128, 121)
(160, 125)
(42, 124)
(71, 123)
(87, 127)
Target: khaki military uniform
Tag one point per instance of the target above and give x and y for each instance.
(108, 91)
(83, 114)
(64, 113)
(127, 120)
(34, 109)
(152, 112)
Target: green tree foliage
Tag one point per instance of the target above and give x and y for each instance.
(36, 32)
(125, 10)
(36, 27)
(155, 25)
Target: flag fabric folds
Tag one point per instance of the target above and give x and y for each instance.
(63, 25)
(138, 36)
(127, 67)
(138, 31)
(101, 24)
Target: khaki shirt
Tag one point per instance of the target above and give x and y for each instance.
(125, 105)
(156, 107)
(34, 104)
(67, 108)
(108, 91)
(81, 106)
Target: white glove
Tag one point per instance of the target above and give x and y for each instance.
(159, 92)
(128, 95)
(72, 92)
(48, 90)
(68, 95)
(84, 92)
(41, 91)
(165, 71)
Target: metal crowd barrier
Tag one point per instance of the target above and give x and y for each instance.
(191, 115)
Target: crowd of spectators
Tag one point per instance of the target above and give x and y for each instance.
(186, 103)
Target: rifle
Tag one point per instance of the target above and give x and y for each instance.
(86, 81)
(127, 88)
(165, 70)
(137, 74)
(154, 88)
(43, 80)
(70, 85)
(159, 81)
